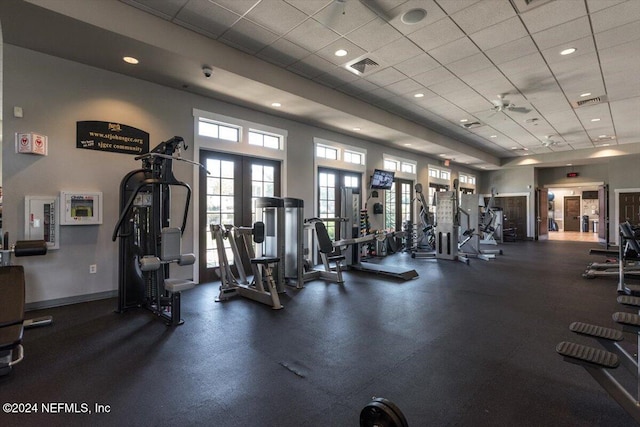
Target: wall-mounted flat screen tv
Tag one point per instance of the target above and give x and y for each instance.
(381, 179)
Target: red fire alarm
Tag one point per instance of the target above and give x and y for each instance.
(572, 175)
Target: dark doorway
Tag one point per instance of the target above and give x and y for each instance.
(572, 213)
(629, 207)
(514, 210)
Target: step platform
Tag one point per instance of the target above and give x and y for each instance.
(588, 356)
(629, 300)
(627, 320)
(596, 331)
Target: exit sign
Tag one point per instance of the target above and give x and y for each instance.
(572, 175)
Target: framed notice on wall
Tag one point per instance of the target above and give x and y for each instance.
(113, 137)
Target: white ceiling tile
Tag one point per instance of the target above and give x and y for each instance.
(499, 34)
(468, 100)
(238, 6)
(437, 34)
(512, 50)
(385, 77)
(596, 5)
(470, 64)
(584, 46)
(312, 66)
(276, 15)
(206, 18)
(396, 52)
(525, 64)
(615, 16)
(483, 14)
(328, 52)
(166, 9)
(434, 76)
(283, 52)
(249, 36)
(338, 77)
(373, 35)
(619, 35)
(491, 88)
(312, 35)
(309, 6)
(448, 86)
(482, 76)
(454, 51)
(561, 34)
(553, 13)
(416, 65)
(451, 7)
(405, 86)
(345, 17)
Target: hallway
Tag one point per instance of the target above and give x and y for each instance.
(573, 236)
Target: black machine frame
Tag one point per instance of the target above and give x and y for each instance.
(145, 204)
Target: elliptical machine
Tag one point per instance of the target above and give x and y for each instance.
(147, 242)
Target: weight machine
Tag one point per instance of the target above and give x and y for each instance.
(491, 222)
(148, 244)
(12, 301)
(262, 267)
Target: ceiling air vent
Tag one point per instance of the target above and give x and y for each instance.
(591, 101)
(364, 65)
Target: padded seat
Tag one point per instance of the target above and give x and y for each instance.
(178, 285)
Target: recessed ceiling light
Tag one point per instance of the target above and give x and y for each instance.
(514, 148)
(493, 136)
(585, 94)
(569, 164)
(356, 128)
(418, 95)
(568, 51)
(602, 136)
(408, 144)
(276, 104)
(130, 60)
(604, 145)
(525, 149)
(340, 52)
(464, 120)
(413, 16)
(595, 120)
(443, 155)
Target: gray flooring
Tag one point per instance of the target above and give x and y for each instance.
(462, 345)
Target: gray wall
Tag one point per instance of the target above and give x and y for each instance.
(618, 172)
(55, 94)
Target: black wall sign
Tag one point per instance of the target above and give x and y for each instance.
(113, 137)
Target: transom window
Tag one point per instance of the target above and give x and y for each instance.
(218, 130)
(264, 139)
(326, 152)
(352, 157)
(439, 173)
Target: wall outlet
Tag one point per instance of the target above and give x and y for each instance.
(93, 268)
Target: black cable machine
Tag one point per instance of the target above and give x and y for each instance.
(147, 243)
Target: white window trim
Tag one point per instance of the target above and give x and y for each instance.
(399, 160)
(225, 146)
(439, 180)
(339, 163)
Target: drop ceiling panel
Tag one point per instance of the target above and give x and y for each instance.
(434, 76)
(615, 16)
(344, 17)
(397, 51)
(309, 7)
(499, 34)
(482, 14)
(283, 52)
(416, 65)
(451, 7)
(329, 52)
(276, 15)
(513, 50)
(437, 34)
(386, 77)
(312, 66)
(373, 35)
(454, 51)
(619, 35)
(312, 35)
(166, 9)
(206, 18)
(470, 64)
(552, 14)
(238, 6)
(248, 36)
(561, 34)
(596, 5)
(404, 86)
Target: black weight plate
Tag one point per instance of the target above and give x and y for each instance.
(381, 412)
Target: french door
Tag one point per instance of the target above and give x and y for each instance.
(332, 202)
(227, 197)
(398, 206)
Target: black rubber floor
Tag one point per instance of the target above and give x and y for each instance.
(466, 345)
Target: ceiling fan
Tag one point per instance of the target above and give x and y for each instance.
(548, 141)
(503, 105)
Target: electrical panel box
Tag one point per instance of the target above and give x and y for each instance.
(41, 220)
(80, 208)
